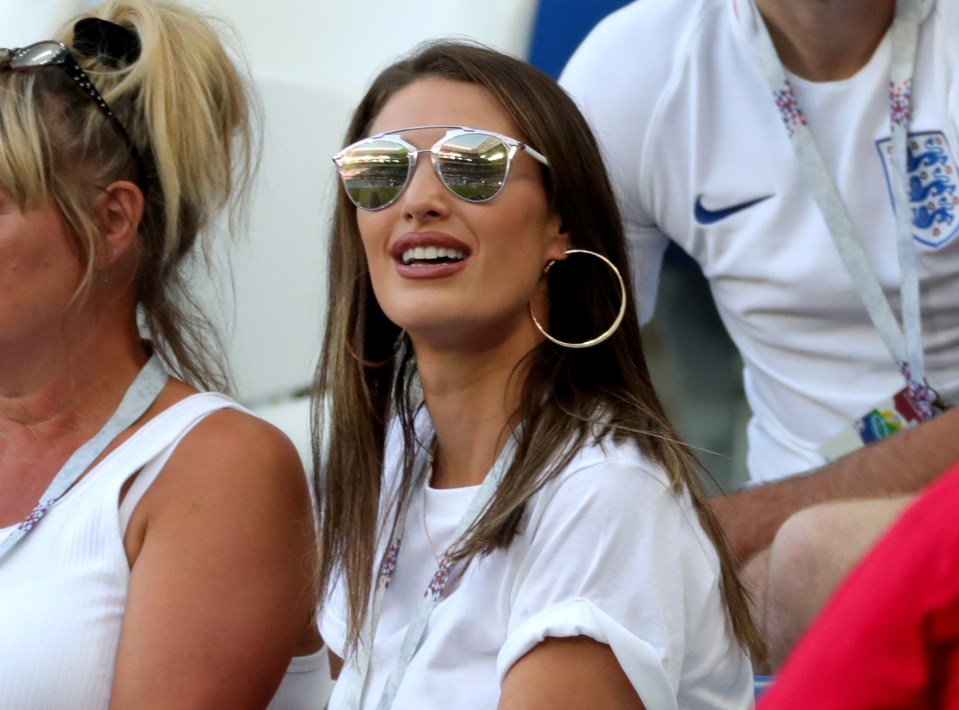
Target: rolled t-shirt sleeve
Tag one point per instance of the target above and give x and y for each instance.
(641, 662)
(613, 554)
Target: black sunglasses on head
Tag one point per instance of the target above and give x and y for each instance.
(50, 53)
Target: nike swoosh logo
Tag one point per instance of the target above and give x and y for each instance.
(706, 216)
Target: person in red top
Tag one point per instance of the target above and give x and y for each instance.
(889, 638)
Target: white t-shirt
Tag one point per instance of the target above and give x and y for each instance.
(63, 588)
(606, 550)
(677, 97)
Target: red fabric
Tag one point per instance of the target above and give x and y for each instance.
(889, 638)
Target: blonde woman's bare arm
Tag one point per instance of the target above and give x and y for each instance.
(221, 589)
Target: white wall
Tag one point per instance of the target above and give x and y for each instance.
(24, 22)
(337, 44)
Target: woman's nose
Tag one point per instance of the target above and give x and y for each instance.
(425, 195)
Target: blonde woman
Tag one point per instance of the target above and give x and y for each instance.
(156, 539)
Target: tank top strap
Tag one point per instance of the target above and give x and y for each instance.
(161, 436)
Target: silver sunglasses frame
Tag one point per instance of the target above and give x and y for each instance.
(413, 152)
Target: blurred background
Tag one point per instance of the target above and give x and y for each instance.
(311, 62)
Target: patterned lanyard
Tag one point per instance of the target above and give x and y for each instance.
(356, 682)
(138, 398)
(905, 343)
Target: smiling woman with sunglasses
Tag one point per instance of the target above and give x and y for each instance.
(156, 542)
(507, 517)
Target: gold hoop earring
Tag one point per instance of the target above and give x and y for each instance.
(619, 316)
(377, 363)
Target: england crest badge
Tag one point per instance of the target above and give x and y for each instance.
(933, 186)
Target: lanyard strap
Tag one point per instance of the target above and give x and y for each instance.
(434, 591)
(137, 399)
(905, 343)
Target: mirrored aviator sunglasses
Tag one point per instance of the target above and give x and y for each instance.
(50, 53)
(472, 164)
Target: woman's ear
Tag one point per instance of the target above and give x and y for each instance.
(557, 239)
(118, 210)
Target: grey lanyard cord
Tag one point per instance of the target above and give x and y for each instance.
(137, 399)
(905, 344)
(353, 697)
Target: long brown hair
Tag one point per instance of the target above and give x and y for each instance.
(569, 397)
(187, 106)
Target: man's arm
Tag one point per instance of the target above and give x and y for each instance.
(899, 465)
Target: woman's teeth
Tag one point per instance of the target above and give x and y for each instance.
(431, 254)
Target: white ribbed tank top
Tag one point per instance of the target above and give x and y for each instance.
(63, 588)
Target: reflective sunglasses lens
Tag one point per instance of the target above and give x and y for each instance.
(37, 56)
(473, 165)
(374, 173)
